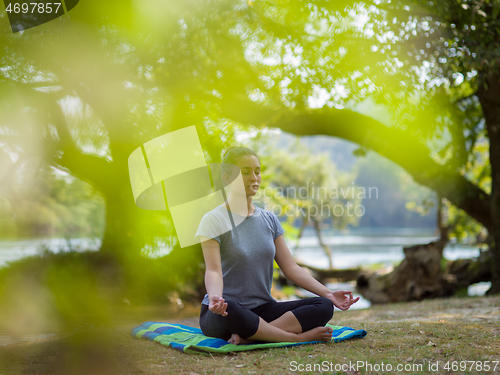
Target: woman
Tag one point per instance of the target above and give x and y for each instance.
(238, 306)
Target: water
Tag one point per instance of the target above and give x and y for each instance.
(11, 250)
(354, 251)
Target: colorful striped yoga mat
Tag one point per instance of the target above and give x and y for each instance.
(192, 340)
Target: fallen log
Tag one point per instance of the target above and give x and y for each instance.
(324, 275)
(465, 272)
(418, 276)
(421, 275)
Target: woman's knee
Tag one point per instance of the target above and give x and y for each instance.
(236, 313)
(233, 307)
(316, 313)
(230, 303)
(325, 309)
(238, 320)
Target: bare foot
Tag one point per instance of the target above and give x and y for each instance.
(237, 340)
(316, 334)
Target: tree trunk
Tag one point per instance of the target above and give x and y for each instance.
(128, 227)
(325, 247)
(443, 230)
(489, 96)
(301, 231)
(122, 234)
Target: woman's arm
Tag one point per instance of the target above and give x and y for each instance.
(213, 275)
(292, 271)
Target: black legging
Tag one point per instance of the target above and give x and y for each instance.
(310, 312)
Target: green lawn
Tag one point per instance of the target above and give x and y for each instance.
(411, 334)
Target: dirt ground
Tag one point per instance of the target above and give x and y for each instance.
(416, 335)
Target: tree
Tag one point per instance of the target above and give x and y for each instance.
(308, 188)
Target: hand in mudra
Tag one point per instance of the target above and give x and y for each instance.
(217, 305)
(342, 299)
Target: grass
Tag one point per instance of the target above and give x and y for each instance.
(409, 334)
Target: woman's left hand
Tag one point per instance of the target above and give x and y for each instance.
(342, 299)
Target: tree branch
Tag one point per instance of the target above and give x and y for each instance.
(92, 168)
(395, 144)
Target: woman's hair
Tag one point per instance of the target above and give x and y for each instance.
(232, 155)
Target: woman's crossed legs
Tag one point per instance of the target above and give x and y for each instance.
(294, 321)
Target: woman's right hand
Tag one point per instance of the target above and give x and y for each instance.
(217, 305)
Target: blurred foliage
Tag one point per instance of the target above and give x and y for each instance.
(389, 188)
(58, 292)
(462, 228)
(50, 204)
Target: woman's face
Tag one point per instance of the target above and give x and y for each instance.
(250, 171)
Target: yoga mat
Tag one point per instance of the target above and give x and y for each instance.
(192, 340)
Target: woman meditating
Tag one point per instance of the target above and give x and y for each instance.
(238, 306)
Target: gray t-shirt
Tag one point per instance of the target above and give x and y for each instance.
(247, 252)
